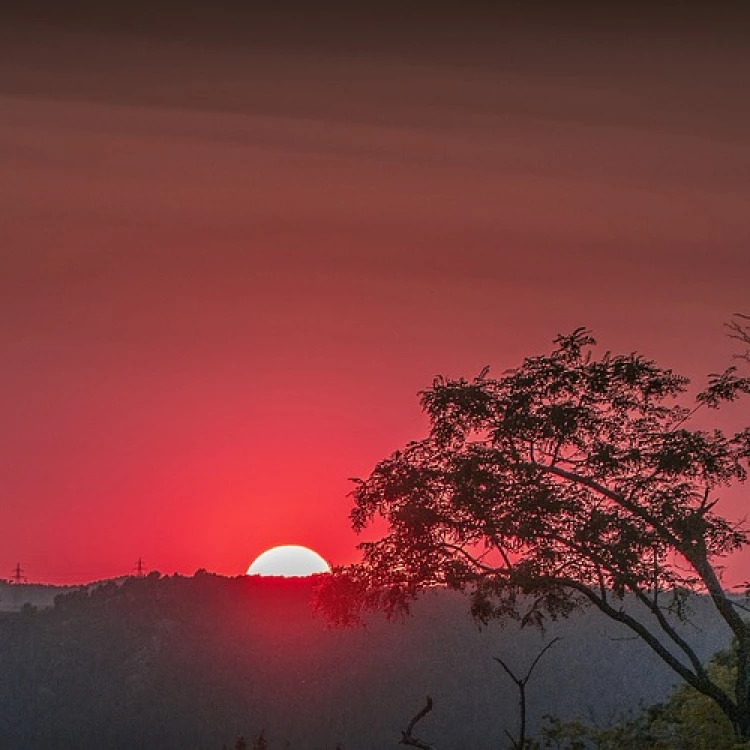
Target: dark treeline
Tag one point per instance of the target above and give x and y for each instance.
(167, 662)
(174, 662)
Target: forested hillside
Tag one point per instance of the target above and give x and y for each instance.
(174, 662)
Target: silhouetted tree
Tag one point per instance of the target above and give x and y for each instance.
(520, 683)
(572, 480)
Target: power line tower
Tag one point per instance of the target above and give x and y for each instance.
(140, 568)
(18, 575)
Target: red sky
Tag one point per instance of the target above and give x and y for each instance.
(233, 252)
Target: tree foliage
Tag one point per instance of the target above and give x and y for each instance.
(688, 720)
(739, 329)
(571, 480)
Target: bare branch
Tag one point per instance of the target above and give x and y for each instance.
(407, 738)
(521, 682)
(508, 670)
(739, 329)
(539, 656)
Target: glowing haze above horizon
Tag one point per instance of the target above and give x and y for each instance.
(234, 249)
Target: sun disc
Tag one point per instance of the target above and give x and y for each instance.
(288, 560)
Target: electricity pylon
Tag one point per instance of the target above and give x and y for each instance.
(140, 568)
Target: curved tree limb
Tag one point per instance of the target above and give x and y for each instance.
(700, 683)
(650, 604)
(407, 738)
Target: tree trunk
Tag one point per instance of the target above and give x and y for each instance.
(741, 723)
(742, 720)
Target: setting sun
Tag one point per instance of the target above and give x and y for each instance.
(290, 560)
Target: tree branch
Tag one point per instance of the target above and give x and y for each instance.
(671, 632)
(650, 604)
(699, 682)
(539, 656)
(520, 682)
(616, 497)
(473, 560)
(407, 738)
(696, 557)
(723, 603)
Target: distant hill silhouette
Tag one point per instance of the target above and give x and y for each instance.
(13, 595)
(175, 662)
